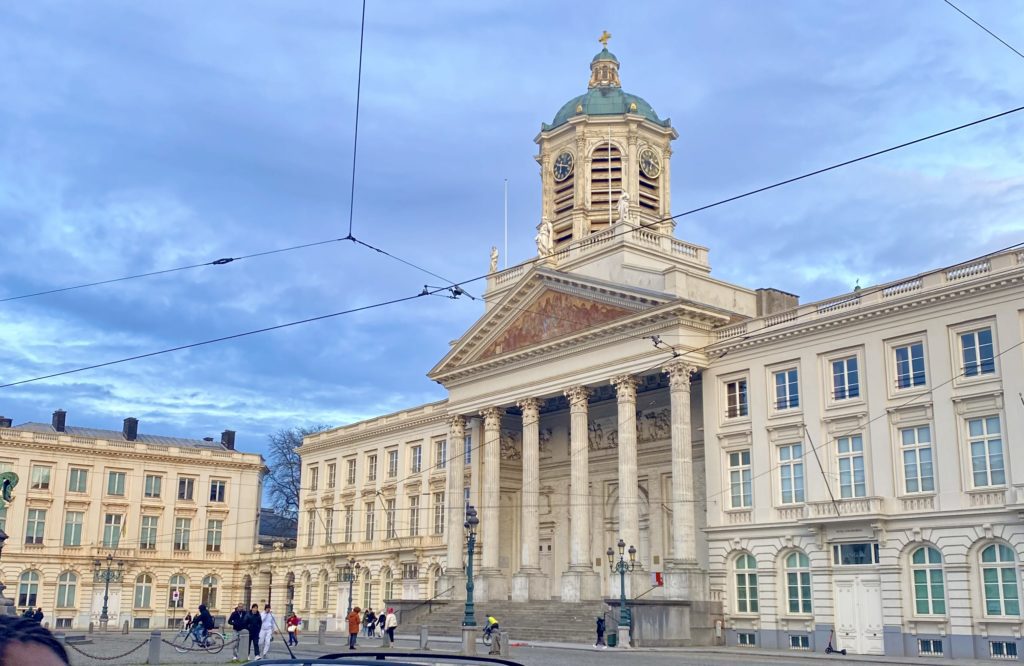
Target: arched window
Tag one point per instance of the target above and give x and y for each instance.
(307, 591)
(28, 589)
(999, 580)
(746, 584)
(209, 596)
(798, 582)
(387, 581)
(325, 590)
(929, 586)
(176, 592)
(143, 591)
(67, 585)
(605, 184)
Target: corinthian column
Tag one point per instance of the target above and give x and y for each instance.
(629, 508)
(580, 581)
(456, 549)
(490, 497)
(530, 528)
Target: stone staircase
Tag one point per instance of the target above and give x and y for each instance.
(536, 620)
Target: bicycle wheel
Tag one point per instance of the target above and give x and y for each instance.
(181, 642)
(487, 638)
(214, 642)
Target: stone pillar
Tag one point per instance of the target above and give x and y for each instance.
(528, 583)
(456, 513)
(682, 577)
(493, 587)
(579, 582)
(629, 506)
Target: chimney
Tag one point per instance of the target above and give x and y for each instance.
(227, 440)
(207, 439)
(5, 422)
(60, 418)
(131, 429)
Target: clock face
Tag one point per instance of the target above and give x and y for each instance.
(563, 166)
(649, 163)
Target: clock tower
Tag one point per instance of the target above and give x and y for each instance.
(604, 159)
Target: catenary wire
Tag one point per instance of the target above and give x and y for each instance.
(355, 138)
(994, 35)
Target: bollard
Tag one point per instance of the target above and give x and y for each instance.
(91, 627)
(320, 632)
(495, 643)
(505, 641)
(124, 629)
(154, 648)
(385, 640)
(424, 637)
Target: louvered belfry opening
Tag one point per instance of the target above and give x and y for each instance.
(649, 193)
(564, 200)
(605, 185)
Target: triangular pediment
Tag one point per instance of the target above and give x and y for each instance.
(547, 306)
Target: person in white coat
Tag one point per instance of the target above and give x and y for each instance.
(266, 630)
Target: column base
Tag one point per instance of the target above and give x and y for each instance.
(624, 637)
(469, 635)
(491, 585)
(455, 583)
(530, 584)
(580, 586)
(684, 580)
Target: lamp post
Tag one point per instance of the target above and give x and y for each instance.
(469, 617)
(349, 571)
(621, 567)
(106, 576)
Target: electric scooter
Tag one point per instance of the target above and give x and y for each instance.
(831, 650)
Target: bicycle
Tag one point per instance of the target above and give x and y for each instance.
(186, 641)
(488, 634)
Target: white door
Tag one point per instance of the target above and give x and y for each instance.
(858, 614)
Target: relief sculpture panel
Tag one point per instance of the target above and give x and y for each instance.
(652, 425)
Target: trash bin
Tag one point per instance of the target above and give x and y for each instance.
(612, 639)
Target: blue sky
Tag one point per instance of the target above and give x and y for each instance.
(137, 136)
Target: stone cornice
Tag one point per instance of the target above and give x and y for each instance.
(364, 430)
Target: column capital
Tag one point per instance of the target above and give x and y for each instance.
(492, 417)
(457, 422)
(578, 396)
(625, 387)
(530, 407)
(679, 374)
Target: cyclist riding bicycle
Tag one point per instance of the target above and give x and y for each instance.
(202, 625)
(492, 624)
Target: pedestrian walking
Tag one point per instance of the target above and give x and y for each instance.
(370, 621)
(237, 623)
(292, 627)
(267, 625)
(253, 623)
(38, 615)
(600, 633)
(390, 624)
(353, 627)
(381, 621)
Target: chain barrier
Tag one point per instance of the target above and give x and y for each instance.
(119, 656)
(195, 648)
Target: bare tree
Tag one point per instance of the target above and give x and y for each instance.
(285, 477)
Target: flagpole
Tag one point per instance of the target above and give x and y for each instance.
(505, 252)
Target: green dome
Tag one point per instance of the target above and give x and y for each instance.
(605, 54)
(605, 101)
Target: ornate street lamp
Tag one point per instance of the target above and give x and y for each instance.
(106, 576)
(349, 571)
(469, 618)
(621, 567)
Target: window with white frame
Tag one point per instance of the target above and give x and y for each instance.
(314, 478)
(371, 521)
(350, 474)
(799, 642)
(416, 459)
(736, 405)
(143, 591)
(186, 488)
(112, 526)
(440, 454)
(208, 596)
(152, 486)
(855, 554)
(332, 475)
(28, 589)
(910, 365)
(929, 647)
(392, 463)
(147, 532)
(845, 378)
(214, 534)
(218, 490)
(787, 389)
(328, 525)
(850, 458)
(67, 586)
(78, 480)
(35, 526)
(349, 523)
(746, 583)
(1002, 650)
(791, 473)
(40, 477)
(73, 521)
(798, 583)
(115, 483)
(182, 533)
(918, 467)
(176, 591)
(439, 513)
(977, 352)
(929, 584)
(999, 581)
(371, 467)
(984, 438)
(310, 528)
(414, 515)
(389, 519)
(740, 480)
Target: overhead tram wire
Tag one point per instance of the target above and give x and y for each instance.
(975, 22)
(355, 139)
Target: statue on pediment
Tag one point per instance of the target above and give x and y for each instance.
(494, 259)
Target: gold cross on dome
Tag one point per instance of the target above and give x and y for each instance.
(605, 36)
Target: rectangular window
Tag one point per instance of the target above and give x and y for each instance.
(441, 454)
(918, 468)
(78, 480)
(791, 473)
(371, 468)
(147, 533)
(349, 519)
(392, 464)
(929, 647)
(115, 483)
(467, 448)
(845, 379)
(218, 490)
(332, 475)
(314, 478)
(153, 486)
(350, 477)
(1002, 649)
(986, 445)
(414, 515)
(40, 479)
(311, 528)
(740, 480)
(978, 352)
(850, 456)
(746, 639)
(854, 554)
(214, 532)
(439, 513)
(392, 531)
(73, 528)
(910, 365)
(410, 571)
(800, 642)
(371, 522)
(112, 525)
(416, 459)
(186, 488)
(35, 526)
(787, 389)
(328, 525)
(182, 533)
(465, 497)
(736, 399)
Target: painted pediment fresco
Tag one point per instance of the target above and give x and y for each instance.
(551, 315)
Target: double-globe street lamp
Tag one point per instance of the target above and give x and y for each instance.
(349, 571)
(469, 617)
(621, 567)
(106, 576)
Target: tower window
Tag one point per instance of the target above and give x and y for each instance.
(605, 185)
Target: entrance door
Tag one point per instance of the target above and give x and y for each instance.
(859, 613)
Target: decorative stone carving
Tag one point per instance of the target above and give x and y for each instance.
(545, 234)
(545, 442)
(623, 207)
(494, 259)
(625, 387)
(511, 445)
(679, 374)
(577, 396)
(654, 425)
(492, 417)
